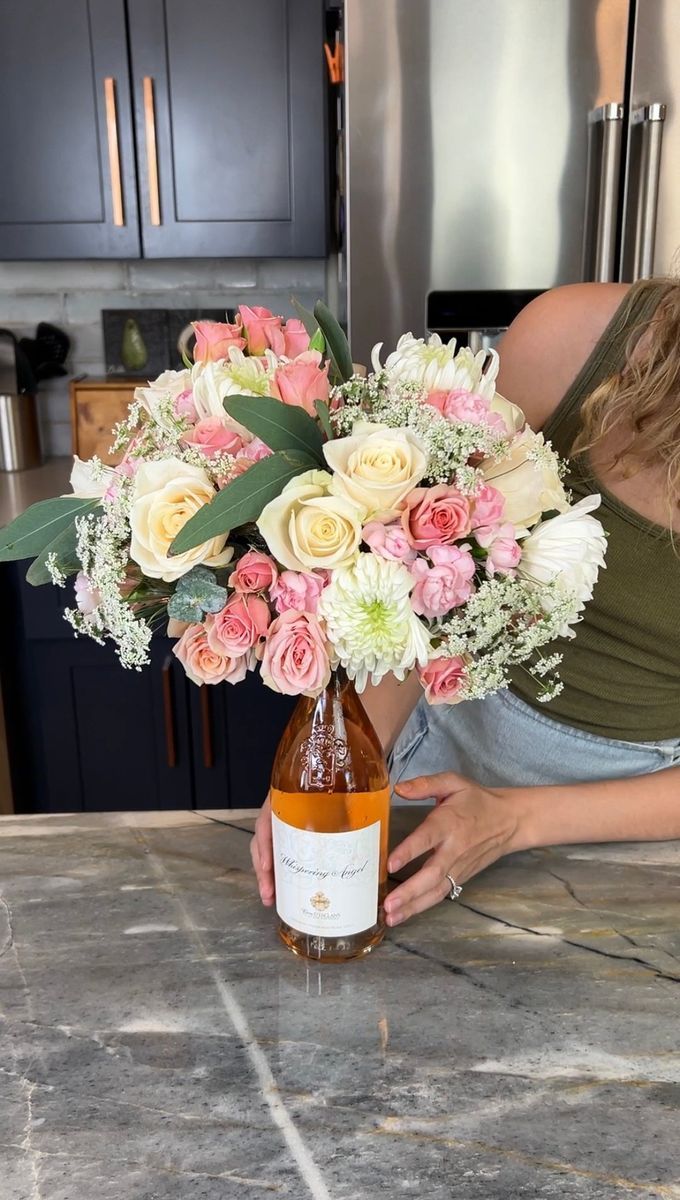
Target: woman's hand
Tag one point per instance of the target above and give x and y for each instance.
(262, 855)
(471, 827)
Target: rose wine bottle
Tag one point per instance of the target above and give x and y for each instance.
(330, 801)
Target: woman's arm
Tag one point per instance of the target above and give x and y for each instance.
(389, 706)
(472, 826)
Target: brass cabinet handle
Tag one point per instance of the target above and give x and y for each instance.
(151, 152)
(208, 757)
(169, 713)
(114, 150)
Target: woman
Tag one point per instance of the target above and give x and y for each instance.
(597, 367)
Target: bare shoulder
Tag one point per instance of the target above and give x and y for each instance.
(548, 343)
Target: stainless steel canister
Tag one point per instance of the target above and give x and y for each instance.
(20, 445)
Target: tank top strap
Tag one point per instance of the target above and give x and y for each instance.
(607, 358)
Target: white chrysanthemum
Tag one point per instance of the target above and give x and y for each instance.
(436, 366)
(568, 550)
(238, 375)
(369, 620)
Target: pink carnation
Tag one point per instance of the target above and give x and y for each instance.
(444, 586)
(211, 436)
(263, 330)
(296, 338)
(388, 541)
(295, 656)
(203, 663)
(239, 626)
(254, 572)
(460, 405)
(503, 551)
(442, 680)
(433, 516)
(487, 506)
(299, 590)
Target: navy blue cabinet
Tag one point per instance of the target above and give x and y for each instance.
(86, 735)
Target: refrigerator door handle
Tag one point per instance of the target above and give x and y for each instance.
(602, 189)
(650, 118)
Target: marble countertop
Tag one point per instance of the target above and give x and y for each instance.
(19, 489)
(159, 1044)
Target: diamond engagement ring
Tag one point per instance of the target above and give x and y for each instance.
(456, 889)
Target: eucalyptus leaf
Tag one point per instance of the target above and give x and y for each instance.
(323, 413)
(29, 534)
(196, 594)
(336, 341)
(308, 319)
(243, 499)
(318, 342)
(280, 426)
(64, 548)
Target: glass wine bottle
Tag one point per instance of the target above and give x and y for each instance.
(330, 801)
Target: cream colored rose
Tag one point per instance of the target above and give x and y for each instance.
(376, 467)
(165, 495)
(528, 479)
(512, 415)
(306, 528)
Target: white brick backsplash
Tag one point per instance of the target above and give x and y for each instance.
(57, 441)
(54, 401)
(35, 277)
(87, 344)
(191, 274)
(288, 274)
(26, 310)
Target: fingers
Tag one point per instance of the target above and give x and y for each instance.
(428, 835)
(262, 855)
(438, 786)
(401, 907)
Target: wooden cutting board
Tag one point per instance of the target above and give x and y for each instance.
(96, 406)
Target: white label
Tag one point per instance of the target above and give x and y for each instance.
(326, 883)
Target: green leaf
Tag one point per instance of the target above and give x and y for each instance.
(196, 594)
(64, 547)
(243, 499)
(336, 342)
(308, 319)
(29, 534)
(323, 413)
(280, 426)
(318, 342)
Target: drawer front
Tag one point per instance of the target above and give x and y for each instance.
(94, 413)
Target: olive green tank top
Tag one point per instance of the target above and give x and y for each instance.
(621, 672)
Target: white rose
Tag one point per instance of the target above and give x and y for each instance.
(528, 478)
(568, 549)
(512, 415)
(90, 480)
(436, 366)
(376, 467)
(306, 528)
(161, 393)
(165, 495)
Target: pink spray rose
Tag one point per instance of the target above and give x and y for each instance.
(388, 541)
(212, 436)
(487, 506)
(296, 338)
(295, 656)
(254, 572)
(302, 381)
(239, 626)
(460, 405)
(435, 515)
(442, 680)
(445, 585)
(184, 405)
(503, 551)
(214, 339)
(203, 664)
(299, 590)
(263, 330)
(255, 450)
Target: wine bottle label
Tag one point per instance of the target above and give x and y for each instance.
(326, 883)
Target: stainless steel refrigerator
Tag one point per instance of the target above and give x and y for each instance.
(495, 148)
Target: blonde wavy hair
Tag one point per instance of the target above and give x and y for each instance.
(641, 403)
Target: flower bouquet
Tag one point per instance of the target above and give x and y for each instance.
(279, 511)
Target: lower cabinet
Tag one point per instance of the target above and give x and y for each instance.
(86, 735)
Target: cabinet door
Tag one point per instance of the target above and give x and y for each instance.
(231, 124)
(66, 142)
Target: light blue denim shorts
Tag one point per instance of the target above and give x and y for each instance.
(502, 742)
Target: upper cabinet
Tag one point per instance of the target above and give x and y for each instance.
(224, 104)
(67, 180)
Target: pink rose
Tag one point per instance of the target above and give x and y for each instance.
(446, 585)
(487, 506)
(212, 436)
(263, 330)
(435, 515)
(255, 450)
(295, 656)
(214, 339)
(241, 623)
(503, 551)
(204, 664)
(254, 572)
(460, 405)
(443, 679)
(388, 541)
(299, 590)
(296, 338)
(302, 381)
(184, 405)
